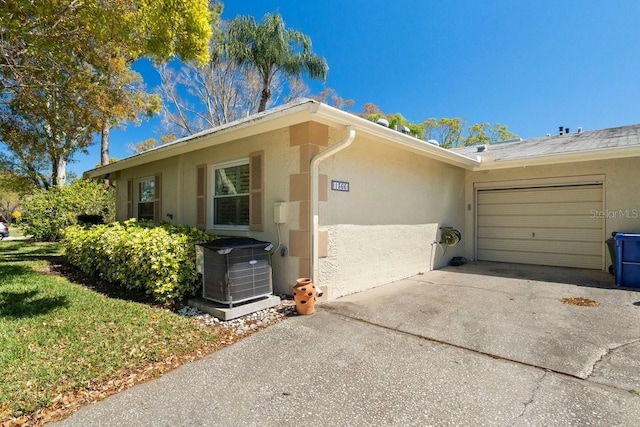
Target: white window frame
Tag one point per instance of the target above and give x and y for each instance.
(211, 197)
(138, 194)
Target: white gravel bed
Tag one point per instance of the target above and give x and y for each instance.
(248, 323)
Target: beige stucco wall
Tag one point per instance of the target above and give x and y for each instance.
(179, 190)
(385, 227)
(621, 192)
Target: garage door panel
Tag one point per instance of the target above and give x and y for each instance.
(530, 221)
(551, 208)
(538, 245)
(542, 195)
(547, 226)
(560, 260)
(576, 235)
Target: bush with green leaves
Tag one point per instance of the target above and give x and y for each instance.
(49, 211)
(157, 259)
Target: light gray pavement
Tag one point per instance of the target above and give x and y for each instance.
(11, 238)
(382, 357)
(514, 312)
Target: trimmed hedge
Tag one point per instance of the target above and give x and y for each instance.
(158, 259)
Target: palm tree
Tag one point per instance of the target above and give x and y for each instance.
(270, 48)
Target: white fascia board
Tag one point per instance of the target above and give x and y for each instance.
(280, 118)
(273, 120)
(333, 115)
(554, 159)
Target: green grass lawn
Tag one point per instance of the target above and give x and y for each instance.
(59, 338)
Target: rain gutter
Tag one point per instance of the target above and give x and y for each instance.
(315, 202)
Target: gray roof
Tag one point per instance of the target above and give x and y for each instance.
(595, 140)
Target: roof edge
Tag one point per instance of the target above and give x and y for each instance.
(395, 137)
(306, 109)
(163, 151)
(487, 163)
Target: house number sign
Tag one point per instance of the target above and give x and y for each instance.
(339, 186)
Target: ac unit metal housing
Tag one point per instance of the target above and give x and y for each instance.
(234, 269)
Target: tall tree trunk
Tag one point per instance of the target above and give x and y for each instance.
(60, 172)
(266, 94)
(104, 143)
(104, 147)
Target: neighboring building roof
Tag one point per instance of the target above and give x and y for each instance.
(586, 145)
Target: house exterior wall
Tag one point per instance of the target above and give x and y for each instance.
(621, 198)
(384, 228)
(306, 139)
(179, 178)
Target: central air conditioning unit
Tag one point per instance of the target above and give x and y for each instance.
(234, 269)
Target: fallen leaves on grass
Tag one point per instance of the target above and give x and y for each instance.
(68, 402)
(583, 302)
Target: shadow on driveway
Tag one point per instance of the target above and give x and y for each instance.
(537, 273)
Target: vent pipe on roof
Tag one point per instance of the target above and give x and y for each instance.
(579, 129)
(404, 129)
(481, 148)
(383, 122)
(566, 131)
(560, 129)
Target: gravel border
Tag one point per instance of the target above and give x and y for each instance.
(245, 324)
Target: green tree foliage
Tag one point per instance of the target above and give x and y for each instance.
(485, 133)
(148, 144)
(396, 120)
(159, 260)
(198, 97)
(44, 128)
(65, 71)
(49, 211)
(142, 146)
(270, 48)
(125, 100)
(9, 198)
(449, 132)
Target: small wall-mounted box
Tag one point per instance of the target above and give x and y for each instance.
(280, 212)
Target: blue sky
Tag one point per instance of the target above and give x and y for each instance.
(532, 65)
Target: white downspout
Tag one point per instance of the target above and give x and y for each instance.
(315, 205)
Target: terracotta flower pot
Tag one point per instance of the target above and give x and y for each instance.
(304, 294)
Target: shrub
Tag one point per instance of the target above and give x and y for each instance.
(157, 259)
(50, 211)
(88, 219)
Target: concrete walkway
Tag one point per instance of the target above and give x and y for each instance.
(485, 344)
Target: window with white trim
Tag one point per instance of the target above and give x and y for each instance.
(146, 198)
(231, 195)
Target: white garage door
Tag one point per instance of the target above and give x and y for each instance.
(547, 226)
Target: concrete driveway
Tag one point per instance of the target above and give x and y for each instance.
(484, 344)
(516, 312)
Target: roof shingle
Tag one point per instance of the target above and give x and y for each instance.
(618, 137)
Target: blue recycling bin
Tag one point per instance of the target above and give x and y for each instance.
(627, 259)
